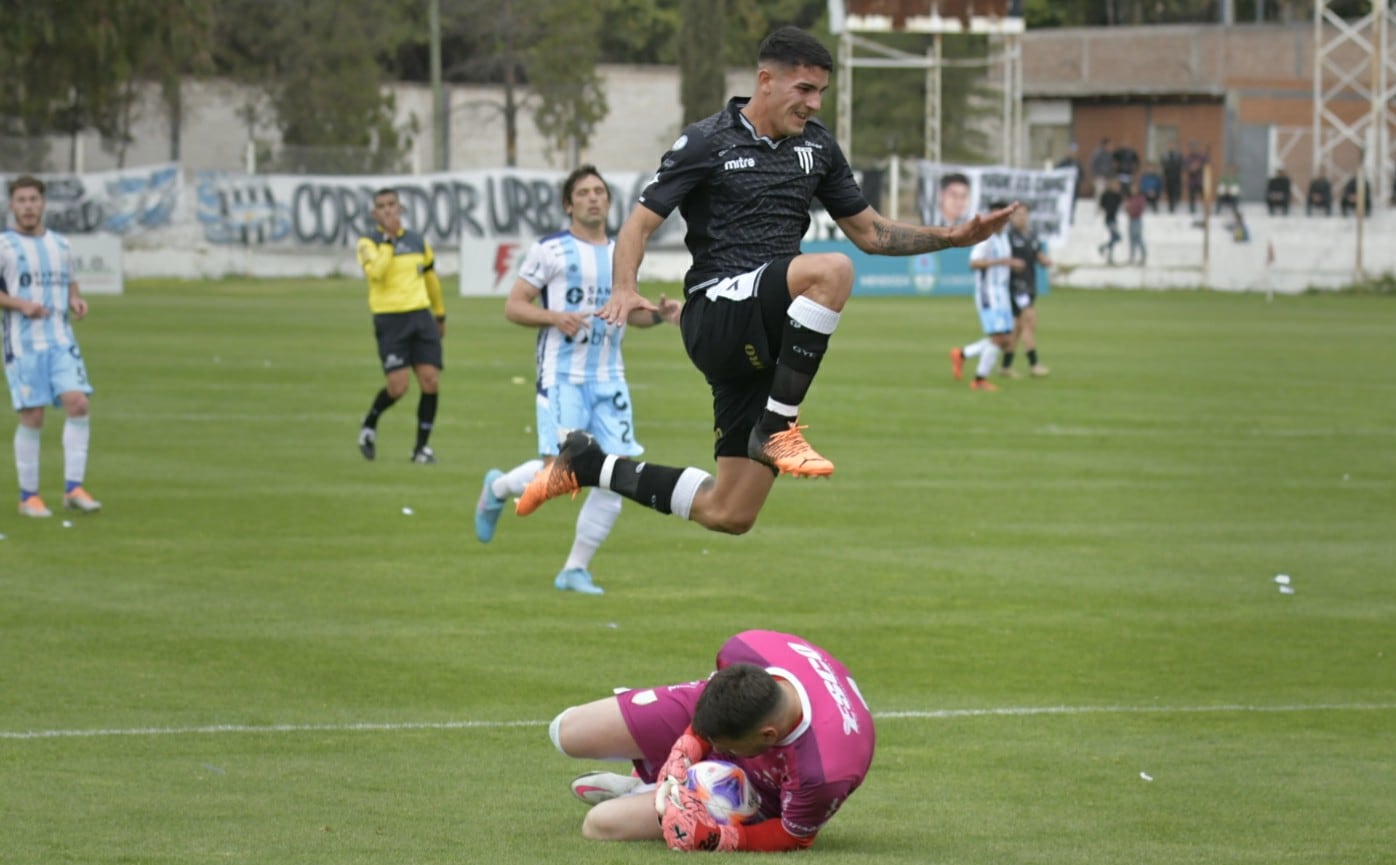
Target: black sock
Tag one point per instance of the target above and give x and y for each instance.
(1032, 356)
(1007, 359)
(801, 351)
(381, 403)
(426, 415)
(649, 484)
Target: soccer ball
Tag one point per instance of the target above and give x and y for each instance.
(724, 789)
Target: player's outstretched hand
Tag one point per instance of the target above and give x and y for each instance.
(669, 310)
(623, 302)
(981, 226)
(688, 826)
(689, 749)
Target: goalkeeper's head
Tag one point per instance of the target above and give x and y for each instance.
(744, 710)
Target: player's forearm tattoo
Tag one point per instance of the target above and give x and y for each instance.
(894, 239)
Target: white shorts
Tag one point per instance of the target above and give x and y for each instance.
(601, 408)
(996, 320)
(40, 379)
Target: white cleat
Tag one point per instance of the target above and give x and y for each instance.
(34, 507)
(81, 500)
(594, 788)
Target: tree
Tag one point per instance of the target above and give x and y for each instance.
(562, 69)
(93, 52)
(702, 72)
(322, 65)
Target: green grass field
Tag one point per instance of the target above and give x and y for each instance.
(254, 656)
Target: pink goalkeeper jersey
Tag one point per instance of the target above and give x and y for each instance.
(814, 769)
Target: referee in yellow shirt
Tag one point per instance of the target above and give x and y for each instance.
(409, 319)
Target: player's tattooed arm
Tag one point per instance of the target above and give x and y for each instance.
(897, 239)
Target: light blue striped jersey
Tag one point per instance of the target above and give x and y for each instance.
(574, 276)
(991, 283)
(38, 269)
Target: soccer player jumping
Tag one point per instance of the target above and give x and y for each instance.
(758, 314)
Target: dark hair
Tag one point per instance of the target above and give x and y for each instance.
(387, 190)
(735, 702)
(27, 181)
(792, 46)
(953, 177)
(577, 174)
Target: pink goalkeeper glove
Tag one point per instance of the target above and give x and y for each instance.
(688, 826)
(689, 749)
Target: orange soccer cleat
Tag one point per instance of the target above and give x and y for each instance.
(788, 453)
(81, 500)
(33, 506)
(983, 384)
(957, 363)
(559, 478)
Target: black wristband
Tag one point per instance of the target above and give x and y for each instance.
(657, 317)
(441, 319)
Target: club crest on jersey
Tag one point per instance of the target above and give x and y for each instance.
(806, 155)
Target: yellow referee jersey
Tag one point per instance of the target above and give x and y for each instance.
(401, 273)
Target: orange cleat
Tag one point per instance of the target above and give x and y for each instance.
(957, 363)
(34, 506)
(983, 384)
(788, 453)
(558, 479)
(81, 500)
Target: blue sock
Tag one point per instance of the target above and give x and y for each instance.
(69, 486)
(24, 494)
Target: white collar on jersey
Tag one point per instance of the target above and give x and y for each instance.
(805, 710)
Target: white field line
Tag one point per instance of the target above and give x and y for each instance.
(495, 725)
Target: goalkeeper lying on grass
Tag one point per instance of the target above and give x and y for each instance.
(780, 707)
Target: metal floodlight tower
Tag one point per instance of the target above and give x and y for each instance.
(847, 18)
(1358, 62)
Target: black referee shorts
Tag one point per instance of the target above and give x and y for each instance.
(407, 339)
(732, 329)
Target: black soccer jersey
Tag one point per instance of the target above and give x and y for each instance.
(1025, 248)
(746, 198)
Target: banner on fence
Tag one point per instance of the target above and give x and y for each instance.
(448, 208)
(952, 194)
(125, 201)
(942, 273)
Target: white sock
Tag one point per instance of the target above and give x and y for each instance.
(987, 360)
(690, 482)
(594, 522)
(76, 432)
(512, 482)
(975, 349)
(813, 315)
(27, 457)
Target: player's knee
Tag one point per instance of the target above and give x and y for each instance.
(76, 405)
(555, 732)
(598, 826)
(840, 272)
(396, 389)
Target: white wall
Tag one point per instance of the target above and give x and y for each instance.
(644, 119)
(1309, 252)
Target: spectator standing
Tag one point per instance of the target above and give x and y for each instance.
(1127, 167)
(1134, 208)
(1110, 201)
(1277, 192)
(1102, 167)
(1195, 167)
(1173, 176)
(1151, 184)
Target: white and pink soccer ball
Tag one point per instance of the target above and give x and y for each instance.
(725, 789)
